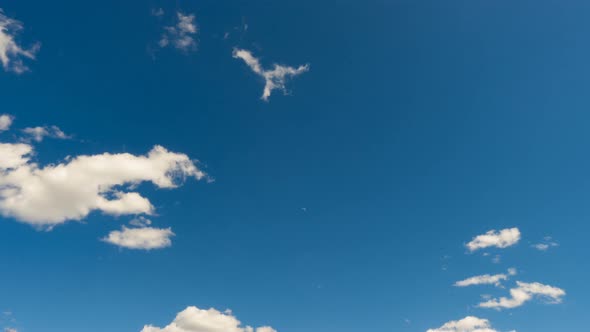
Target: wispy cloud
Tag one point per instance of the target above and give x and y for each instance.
(486, 279)
(39, 133)
(467, 324)
(500, 239)
(274, 78)
(11, 53)
(547, 243)
(181, 35)
(525, 292)
(193, 319)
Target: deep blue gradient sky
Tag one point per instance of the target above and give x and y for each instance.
(420, 125)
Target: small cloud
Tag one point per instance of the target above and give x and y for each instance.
(274, 78)
(39, 133)
(486, 279)
(11, 53)
(467, 324)
(10, 329)
(157, 12)
(547, 243)
(5, 122)
(525, 292)
(496, 259)
(500, 239)
(182, 34)
(193, 319)
(145, 238)
(140, 221)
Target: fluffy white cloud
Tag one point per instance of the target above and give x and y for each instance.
(525, 292)
(274, 78)
(182, 34)
(486, 279)
(39, 133)
(193, 319)
(500, 239)
(11, 53)
(5, 122)
(145, 238)
(50, 195)
(467, 324)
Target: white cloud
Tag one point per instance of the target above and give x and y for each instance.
(39, 133)
(9, 329)
(486, 279)
(467, 324)
(5, 121)
(274, 78)
(523, 293)
(182, 34)
(11, 53)
(145, 238)
(45, 196)
(193, 319)
(500, 239)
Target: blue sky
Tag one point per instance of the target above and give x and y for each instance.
(144, 174)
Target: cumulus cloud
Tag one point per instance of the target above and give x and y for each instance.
(39, 133)
(5, 121)
(467, 324)
(500, 239)
(525, 292)
(11, 53)
(193, 319)
(486, 279)
(145, 238)
(274, 78)
(45, 196)
(182, 34)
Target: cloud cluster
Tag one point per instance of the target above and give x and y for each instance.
(486, 279)
(182, 34)
(500, 239)
(193, 319)
(467, 324)
(547, 243)
(525, 292)
(11, 53)
(274, 78)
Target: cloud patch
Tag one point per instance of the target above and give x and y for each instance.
(5, 122)
(46, 196)
(181, 35)
(486, 279)
(525, 292)
(499, 239)
(467, 324)
(274, 78)
(193, 319)
(39, 133)
(145, 238)
(11, 53)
